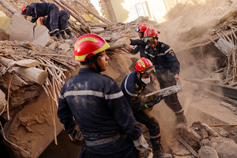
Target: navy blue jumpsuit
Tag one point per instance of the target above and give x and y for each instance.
(101, 111)
(62, 22)
(166, 65)
(51, 10)
(132, 89)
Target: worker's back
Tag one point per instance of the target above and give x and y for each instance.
(101, 111)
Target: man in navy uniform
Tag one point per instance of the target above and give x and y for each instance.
(167, 70)
(36, 10)
(98, 106)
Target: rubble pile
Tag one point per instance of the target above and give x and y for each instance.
(27, 71)
(226, 43)
(206, 142)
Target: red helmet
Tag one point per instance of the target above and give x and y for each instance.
(144, 65)
(23, 9)
(141, 28)
(89, 45)
(150, 35)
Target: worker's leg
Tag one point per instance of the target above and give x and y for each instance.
(53, 20)
(167, 79)
(152, 124)
(63, 23)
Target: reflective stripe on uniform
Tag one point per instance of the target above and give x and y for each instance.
(180, 111)
(114, 96)
(91, 92)
(154, 137)
(83, 92)
(149, 54)
(125, 86)
(165, 52)
(61, 97)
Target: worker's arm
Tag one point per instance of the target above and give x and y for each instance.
(171, 57)
(137, 42)
(135, 101)
(65, 114)
(135, 50)
(120, 109)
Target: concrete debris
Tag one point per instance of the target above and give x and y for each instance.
(225, 46)
(226, 148)
(53, 45)
(210, 143)
(22, 30)
(31, 78)
(229, 106)
(207, 152)
(64, 46)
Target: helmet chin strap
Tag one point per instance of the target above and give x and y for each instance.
(97, 67)
(142, 34)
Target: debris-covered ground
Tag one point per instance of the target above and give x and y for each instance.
(202, 34)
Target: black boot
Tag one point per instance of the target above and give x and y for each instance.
(71, 35)
(58, 35)
(63, 34)
(181, 121)
(69, 32)
(51, 33)
(159, 153)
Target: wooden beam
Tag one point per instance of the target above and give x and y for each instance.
(82, 21)
(99, 17)
(9, 7)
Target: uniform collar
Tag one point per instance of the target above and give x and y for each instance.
(87, 70)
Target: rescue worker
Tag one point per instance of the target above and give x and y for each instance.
(167, 70)
(140, 44)
(62, 23)
(133, 86)
(37, 10)
(99, 106)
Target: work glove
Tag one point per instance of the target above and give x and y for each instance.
(142, 145)
(150, 104)
(76, 134)
(156, 100)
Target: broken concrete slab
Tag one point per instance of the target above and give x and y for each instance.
(225, 46)
(226, 148)
(207, 151)
(53, 45)
(22, 30)
(26, 44)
